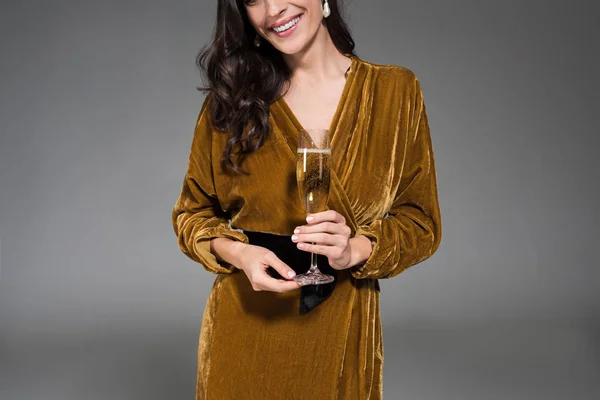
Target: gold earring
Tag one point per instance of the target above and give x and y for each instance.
(326, 10)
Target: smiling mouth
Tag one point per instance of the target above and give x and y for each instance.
(285, 27)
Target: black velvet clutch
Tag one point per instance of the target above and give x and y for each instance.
(310, 295)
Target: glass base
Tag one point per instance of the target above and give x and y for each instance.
(314, 278)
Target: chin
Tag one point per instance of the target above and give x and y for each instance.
(290, 48)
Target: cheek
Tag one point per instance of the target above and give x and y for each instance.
(253, 17)
(315, 6)
(316, 14)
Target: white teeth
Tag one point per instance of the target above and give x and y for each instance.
(287, 26)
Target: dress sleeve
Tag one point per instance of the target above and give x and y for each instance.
(197, 216)
(411, 230)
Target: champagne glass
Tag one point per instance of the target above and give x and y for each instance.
(313, 177)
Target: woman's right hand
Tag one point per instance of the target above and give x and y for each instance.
(254, 261)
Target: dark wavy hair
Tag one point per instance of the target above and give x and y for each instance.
(242, 80)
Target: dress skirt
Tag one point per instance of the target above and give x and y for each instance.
(255, 345)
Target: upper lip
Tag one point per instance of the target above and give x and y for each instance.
(283, 21)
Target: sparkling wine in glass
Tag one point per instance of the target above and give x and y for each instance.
(313, 177)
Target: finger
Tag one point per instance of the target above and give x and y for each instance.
(264, 281)
(315, 218)
(328, 251)
(318, 237)
(284, 270)
(329, 215)
(281, 286)
(326, 226)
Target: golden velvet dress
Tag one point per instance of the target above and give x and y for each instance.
(255, 345)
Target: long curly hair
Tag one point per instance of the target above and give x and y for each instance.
(243, 80)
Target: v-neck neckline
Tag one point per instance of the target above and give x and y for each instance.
(340, 105)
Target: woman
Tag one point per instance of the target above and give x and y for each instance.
(274, 67)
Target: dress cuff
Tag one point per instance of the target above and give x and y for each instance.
(202, 247)
(362, 270)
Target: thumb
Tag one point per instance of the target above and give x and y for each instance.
(282, 268)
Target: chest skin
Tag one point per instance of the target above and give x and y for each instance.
(315, 107)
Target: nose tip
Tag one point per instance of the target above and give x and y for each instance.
(275, 8)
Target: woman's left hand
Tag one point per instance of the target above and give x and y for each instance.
(329, 231)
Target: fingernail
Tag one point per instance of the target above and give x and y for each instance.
(291, 274)
(296, 230)
(294, 237)
(308, 219)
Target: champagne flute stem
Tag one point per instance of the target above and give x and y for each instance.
(313, 263)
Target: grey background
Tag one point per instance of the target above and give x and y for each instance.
(98, 104)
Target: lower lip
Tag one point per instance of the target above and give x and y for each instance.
(289, 31)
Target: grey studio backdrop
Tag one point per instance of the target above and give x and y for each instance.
(98, 105)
